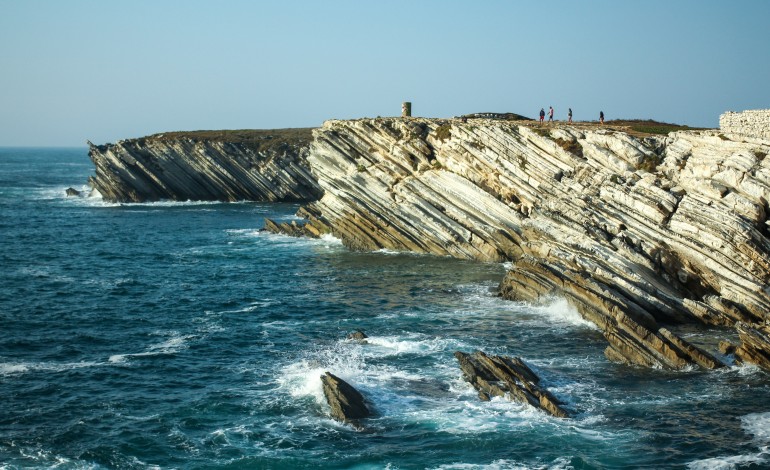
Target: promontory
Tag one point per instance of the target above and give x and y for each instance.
(640, 231)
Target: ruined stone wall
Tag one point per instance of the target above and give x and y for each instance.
(754, 123)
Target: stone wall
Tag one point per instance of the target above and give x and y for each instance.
(754, 123)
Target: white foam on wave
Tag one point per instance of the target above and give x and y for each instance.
(7, 368)
(756, 424)
(505, 464)
(170, 346)
(560, 312)
(413, 343)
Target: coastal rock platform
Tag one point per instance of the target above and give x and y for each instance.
(639, 232)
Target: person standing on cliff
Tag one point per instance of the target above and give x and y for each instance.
(601, 117)
(542, 115)
(550, 114)
(569, 115)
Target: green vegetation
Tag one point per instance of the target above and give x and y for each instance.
(542, 132)
(648, 126)
(571, 146)
(650, 163)
(259, 140)
(723, 137)
(443, 132)
(360, 168)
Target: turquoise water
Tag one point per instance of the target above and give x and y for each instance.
(177, 335)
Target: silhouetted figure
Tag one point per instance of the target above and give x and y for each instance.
(550, 114)
(601, 117)
(569, 115)
(542, 115)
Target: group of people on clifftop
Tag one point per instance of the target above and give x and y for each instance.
(569, 115)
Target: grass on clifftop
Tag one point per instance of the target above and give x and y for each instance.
(648, 126)
(259, 140)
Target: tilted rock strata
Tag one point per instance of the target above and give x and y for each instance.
(183, 168)
(634, 232)
(754, 344)
(346, 403)
(503, 376)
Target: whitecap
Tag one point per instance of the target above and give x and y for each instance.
(560, 312)
(755, 424)
(384, 346)
(24, 367)
(758, 425)
(731, 462)
(169, 346)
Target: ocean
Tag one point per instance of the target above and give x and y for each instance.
(178, 335)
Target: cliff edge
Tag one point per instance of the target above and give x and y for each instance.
(638, 232)
(256, 165)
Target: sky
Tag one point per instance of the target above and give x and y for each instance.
(72, 70)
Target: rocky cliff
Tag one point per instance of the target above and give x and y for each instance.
(638, 232)
(268, 165)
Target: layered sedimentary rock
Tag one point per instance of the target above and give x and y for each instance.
(498, 376)
(637, 232)
(206, 165)
(345, 402)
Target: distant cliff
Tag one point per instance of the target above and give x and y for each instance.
(636, 231)
(257, 165)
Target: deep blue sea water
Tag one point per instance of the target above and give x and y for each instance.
(177, 335)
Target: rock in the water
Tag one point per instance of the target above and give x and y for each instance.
(755, 345)
(726, 347)
(72, 192)
(497, 376)
(357, 335)
(346, 403)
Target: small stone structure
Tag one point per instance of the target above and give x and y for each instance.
(406, 109)
(752, 123)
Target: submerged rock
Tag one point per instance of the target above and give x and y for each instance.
(358, 335)
(72, 192)
(346, 403)
(498, 376)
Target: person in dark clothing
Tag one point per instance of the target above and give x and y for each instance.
(542, 115)
(601, 117)
(569, 115)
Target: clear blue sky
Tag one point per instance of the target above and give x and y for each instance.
(107, 70)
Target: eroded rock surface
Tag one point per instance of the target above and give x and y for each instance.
(206, 165)
(503, 376)
(636, 232)
(346, 403)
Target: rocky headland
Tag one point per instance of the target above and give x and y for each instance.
(640, 232)
(252, 165)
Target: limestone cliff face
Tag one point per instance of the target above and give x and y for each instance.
(636, 232)
(223, 166)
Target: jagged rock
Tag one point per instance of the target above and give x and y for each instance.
(206, 165)
(346, 403)
(358, 335)
(497, 376)
(726, 347)
(72, 192)
(755, 344)
(663, 230)
(292, 229)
